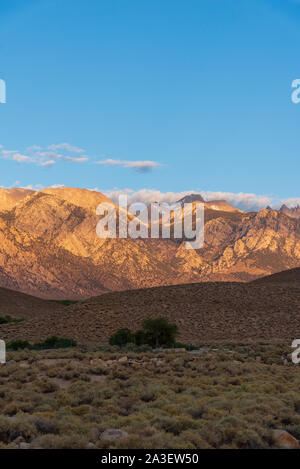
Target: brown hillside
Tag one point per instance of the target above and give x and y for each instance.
(287, 277)
(19, 305)
(206, 312)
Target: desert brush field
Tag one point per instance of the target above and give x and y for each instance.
(221, 396)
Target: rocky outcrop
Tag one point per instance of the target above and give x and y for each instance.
(293, 212)
(9, 198)
(113, 434)
(284, 440)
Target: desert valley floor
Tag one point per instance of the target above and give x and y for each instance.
(239, 389)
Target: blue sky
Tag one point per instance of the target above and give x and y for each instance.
(166, 96)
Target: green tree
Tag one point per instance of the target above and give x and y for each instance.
(121, 337)
(140, 338)
(160, 331)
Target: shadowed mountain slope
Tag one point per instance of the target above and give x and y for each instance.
(205, 312)
(21, 306)
(287, 277)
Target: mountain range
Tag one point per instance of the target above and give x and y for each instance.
(49, 247)
(292, 212)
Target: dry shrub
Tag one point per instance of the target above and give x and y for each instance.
(45, 426)
(11, 428)
(71, 441)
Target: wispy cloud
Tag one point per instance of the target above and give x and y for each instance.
(74, 159)
(19, 158)
(243, 201)
(140, 166)
(33, 148)
(52, 155)
(46, 157)
(59, 152)
(67, 147)
(48, 163)
(32, 187)
(291, 202)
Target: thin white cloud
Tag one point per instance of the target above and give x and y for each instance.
(8, 153)
(50, 155)
(67, 147)
(140, 166)
(147, 195)
(33, 187)
(45, 157)
(243, 201)
(48, 163)
(80, 159)
(58, 156)
(291, 202)
(34, 148)
(20, 158)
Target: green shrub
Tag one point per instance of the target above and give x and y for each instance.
(55, 342)
(50, 343)
(156, 332)
(173, 425)
(71, 441)
(18, 345)
(19, 426)
(46, 426)
(8, 319)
